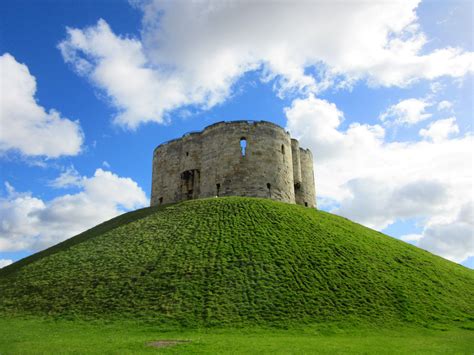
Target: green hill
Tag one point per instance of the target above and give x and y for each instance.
(235, 260)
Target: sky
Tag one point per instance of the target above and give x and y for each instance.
(381, 92)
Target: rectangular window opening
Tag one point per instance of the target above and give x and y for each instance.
(243, 146)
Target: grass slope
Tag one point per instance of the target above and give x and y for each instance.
(235, 260)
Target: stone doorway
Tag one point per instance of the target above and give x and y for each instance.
(190, 184)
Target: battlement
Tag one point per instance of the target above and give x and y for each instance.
(236, 158)
(218, 125)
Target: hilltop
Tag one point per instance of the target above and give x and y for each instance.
(235, 260)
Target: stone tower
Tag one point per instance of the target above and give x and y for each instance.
(238, 158)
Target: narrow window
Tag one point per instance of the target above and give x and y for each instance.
(243, 146)
(160, 201)
(269, 187)
(282, 149)
(218, 188)
(187, 153)
(306, 204)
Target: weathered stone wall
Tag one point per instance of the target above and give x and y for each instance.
(308, 192)
(213, 163)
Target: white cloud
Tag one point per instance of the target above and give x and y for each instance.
(27, 127)
(378, 203)
(376, 182)
(452, 239)
(440, 130)
(411, 237)
(445, 105)
(191, 53)
(5, 262)
(119, 66)
(406, 112)
(31, 223)
(68, 178)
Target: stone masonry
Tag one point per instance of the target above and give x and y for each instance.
(238, 158)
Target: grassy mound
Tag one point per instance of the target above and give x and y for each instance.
(235, 260)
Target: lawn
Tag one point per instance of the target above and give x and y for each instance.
(39, 336)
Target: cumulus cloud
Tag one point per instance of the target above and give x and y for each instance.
(26, 126)
(377, 182)
(445, 105)
(411, 237)
(440, 130)
(30, 223)
(191, 53)
(406, 112)
(119, 65)
(5, 262)
(68, 178)
(377, 203)
(452, 239)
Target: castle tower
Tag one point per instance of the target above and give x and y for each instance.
(238, 158)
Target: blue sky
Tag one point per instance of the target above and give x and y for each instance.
(381, 93)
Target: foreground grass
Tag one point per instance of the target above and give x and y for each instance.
(37, 336)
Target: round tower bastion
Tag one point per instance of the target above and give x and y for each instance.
(237, 158)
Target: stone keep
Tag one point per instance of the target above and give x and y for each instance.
(239, 158)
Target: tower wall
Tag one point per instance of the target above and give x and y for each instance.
(295, 152)
(212, 163)
(308, 191)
